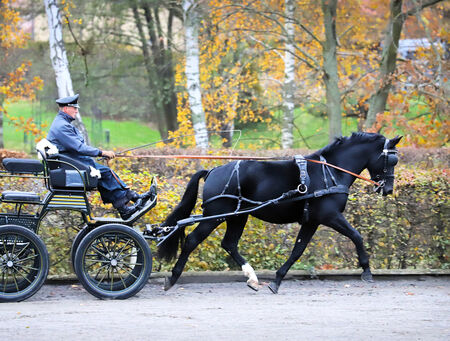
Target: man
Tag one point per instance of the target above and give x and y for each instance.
(70, 142)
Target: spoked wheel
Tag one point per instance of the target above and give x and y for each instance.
(113, 261)
(23, 263)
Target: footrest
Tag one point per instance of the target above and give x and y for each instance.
(16, 196)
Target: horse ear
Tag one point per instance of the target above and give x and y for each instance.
(393, 142)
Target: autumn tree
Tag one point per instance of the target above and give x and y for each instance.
(228, 76)
(13, 83)
(432, 90)
(156, 45)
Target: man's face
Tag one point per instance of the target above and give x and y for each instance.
(71, 111)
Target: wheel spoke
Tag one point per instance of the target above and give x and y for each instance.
(29, 267)
(4, 287)
(99, 251)
(18, 271)
(123, 248)
(99, 269)
(112, 277)
(30, 257)
(104, 276)
(128, 272)
(121, 278)
(14, 245)
(129, 255)
(97, 261)
(103, 243)
(129, 264)
(4, 244)
(15, 282)
(28, 244)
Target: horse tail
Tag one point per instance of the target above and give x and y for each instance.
(168, 249)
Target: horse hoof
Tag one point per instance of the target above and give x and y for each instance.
(167, 284)
(253, 285)
(273, 287)
(367, 277)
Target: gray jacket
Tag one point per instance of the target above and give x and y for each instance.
(70, 141)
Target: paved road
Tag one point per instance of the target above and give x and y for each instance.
(412, 309)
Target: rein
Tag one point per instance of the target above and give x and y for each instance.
(255, 158)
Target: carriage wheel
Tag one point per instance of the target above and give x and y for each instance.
(23, 263)
(113, 261)
(76, 242)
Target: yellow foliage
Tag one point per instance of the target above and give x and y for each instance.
(13, 86)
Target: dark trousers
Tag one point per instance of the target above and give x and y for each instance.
(111, 190)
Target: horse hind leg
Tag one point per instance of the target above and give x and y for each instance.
(235, 227)
(304, 236)
(193, 239)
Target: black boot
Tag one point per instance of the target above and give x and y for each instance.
(127, 211)
(134, 196)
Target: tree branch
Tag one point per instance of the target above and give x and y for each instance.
(84, 52)
(419, 8)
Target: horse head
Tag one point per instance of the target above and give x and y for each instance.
(381, 166)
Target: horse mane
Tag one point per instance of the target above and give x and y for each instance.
(357, 137)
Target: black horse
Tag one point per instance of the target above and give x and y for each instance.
(243, 185)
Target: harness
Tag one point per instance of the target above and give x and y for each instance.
(298, 194)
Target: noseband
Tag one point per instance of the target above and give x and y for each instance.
(390, 159)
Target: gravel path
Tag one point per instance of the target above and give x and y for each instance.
(411, 309)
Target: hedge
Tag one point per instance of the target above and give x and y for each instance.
(406, 230)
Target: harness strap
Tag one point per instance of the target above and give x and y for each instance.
(292, 195)
(304, 177)
(323, 171)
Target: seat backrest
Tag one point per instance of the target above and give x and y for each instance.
(67, 173)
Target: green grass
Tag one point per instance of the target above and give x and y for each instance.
(310, 132)
(123, 134)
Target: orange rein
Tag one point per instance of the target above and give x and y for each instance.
(260, 158)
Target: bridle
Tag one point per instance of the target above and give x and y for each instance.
(390, 159)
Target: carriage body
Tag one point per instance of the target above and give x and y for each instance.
(119, 256)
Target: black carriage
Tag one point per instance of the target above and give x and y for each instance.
(110, 256)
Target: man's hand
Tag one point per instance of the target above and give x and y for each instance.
(109, 154)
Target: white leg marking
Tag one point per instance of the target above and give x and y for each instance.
(251, 275)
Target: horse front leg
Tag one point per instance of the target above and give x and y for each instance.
(304, 236)
(341, 225)
(193, 239)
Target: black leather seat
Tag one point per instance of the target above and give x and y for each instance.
(23, 166)
(16, 196)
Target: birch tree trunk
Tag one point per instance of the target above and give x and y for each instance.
(330, 75)
(287, 136)
(191, 23)
(59, 60)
